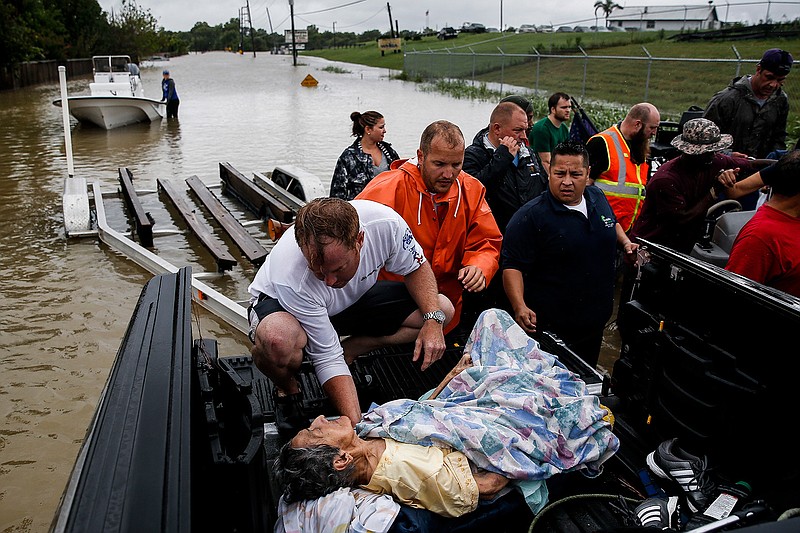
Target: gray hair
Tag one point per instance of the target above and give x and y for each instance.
(308, 473)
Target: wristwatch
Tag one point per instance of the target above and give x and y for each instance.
(437, 315)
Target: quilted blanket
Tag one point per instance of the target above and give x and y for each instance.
(517, 412)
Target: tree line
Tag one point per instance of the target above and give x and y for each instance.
(36, 30)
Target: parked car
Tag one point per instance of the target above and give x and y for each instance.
(581, 29)
(447, 33)
(616, 28)
(492, 30)
(473, 27)
(564, 29)
(599, 29)
(545, 28)
(527, 28)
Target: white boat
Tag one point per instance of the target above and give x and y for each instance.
(117, 96)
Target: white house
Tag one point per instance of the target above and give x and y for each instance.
(670, 18)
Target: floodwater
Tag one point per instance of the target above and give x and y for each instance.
(66, 303)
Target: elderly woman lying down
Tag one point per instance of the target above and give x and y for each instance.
(511, 414)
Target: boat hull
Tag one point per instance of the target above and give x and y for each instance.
(109, 112)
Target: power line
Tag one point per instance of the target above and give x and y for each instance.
(331, 8)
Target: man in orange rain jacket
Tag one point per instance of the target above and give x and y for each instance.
(447, 212)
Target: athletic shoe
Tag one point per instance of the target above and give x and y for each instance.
(688, 471)
(663, 513)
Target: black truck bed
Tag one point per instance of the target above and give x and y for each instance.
(183, 438)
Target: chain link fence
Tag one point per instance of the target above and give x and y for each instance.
(672, 84)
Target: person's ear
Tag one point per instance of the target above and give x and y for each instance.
(342, 461)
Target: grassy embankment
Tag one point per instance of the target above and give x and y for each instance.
(674, 85)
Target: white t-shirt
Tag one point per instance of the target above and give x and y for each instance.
(285, 275)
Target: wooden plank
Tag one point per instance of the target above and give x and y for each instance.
(249, 246)
(253, 197)
(273, 189)
(142, 220)
(225, 260)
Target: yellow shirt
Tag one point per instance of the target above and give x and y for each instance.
(426, 477)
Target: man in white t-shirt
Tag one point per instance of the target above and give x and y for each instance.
(320, 283)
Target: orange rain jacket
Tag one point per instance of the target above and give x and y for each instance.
(468, 234)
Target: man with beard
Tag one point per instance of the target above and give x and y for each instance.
(682, 189)
(559, 255)
(552, 129)
(447, 212)
(618, 158)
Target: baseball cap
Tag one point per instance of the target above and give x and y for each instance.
(777, 61)
(521, 101)
(165, 72)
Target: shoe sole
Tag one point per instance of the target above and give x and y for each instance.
(651, 464)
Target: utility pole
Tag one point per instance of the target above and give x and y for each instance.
(271, 31)
(241, 31)
(294, 46)
(334, 34)
(252, 34)
(391, 25)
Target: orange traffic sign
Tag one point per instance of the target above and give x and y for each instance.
(309, 81)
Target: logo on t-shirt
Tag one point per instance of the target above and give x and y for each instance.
(408, 244)
(371, 273)
(607, 221)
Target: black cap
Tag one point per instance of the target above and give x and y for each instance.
(777, 61)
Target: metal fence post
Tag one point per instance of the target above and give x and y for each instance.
(450, 64)
(649, 65)
(538, 62)
(502, 68)
(473, 65)
(739, 60)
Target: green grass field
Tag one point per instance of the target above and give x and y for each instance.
(673, 85)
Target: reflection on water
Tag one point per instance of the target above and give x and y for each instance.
(66, 305)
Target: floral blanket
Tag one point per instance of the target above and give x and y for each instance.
(517, 411)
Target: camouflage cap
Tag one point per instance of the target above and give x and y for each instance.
(701, 136)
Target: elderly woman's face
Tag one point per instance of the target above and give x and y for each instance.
(338, 433)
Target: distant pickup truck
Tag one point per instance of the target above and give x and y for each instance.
(473, 27)
(447, 33)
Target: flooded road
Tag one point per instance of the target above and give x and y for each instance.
(66, 303)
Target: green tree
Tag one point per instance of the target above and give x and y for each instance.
(133, 31)
(84, 22)
(202, 37)
(607, 7)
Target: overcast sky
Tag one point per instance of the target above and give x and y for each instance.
(361, 15)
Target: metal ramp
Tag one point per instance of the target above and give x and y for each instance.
(85, 216)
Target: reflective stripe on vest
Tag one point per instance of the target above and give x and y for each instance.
(627, 193)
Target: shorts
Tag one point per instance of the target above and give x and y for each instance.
(379, 312)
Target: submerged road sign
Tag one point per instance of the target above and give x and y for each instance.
(309, 81)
